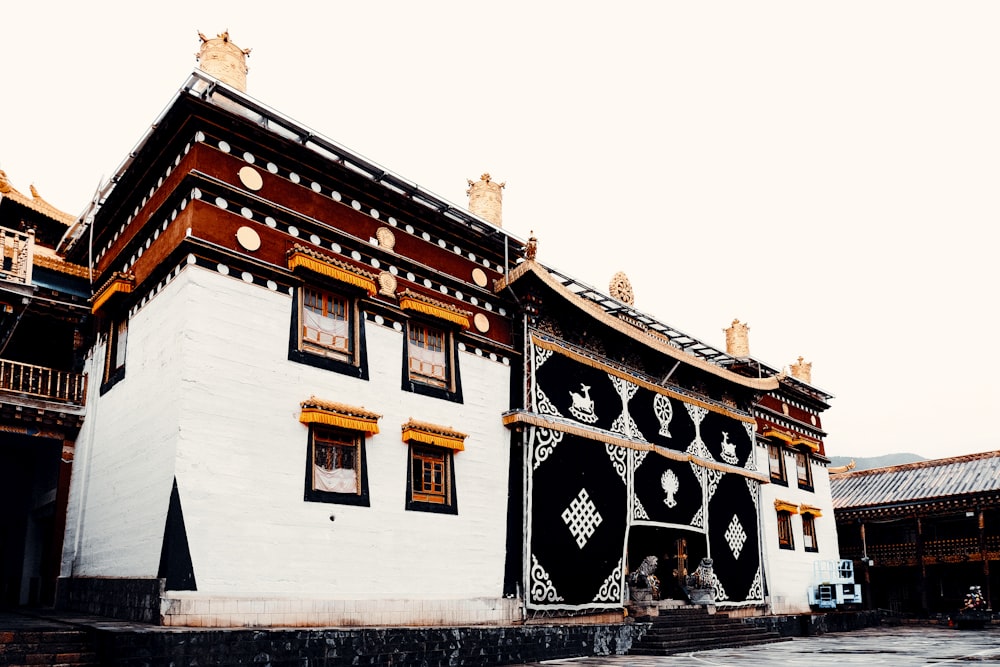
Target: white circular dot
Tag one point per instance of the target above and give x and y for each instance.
(223, 146)
(293, 177)
(356, 255)
(173, 216)
(493, 356)
(270, 222)
(474, 301)
(247, 278)
(156, 234)
(177, 160)
(479, 352)
(249, 157)
(461, 346)
(247, 213)
(294, 231)
(139, 253)
(392, 221)
(393, 270)
(221, 203)
(374, 213)
(486, 263)
(488, 306)
(409, 229)
(149, 242)
(184, 203)
(379, 320)
(335, 196)
(472, 256)
(196, 194)
(271, 285)
(356, 205)
(409, 276)
(375, 263)
(223, 269)
(199, 136)
(500, 268)
(442, 243)
(444, 290)
(506, 361)
(315, 239)
(427, 282)
(192, 259)
(291, 291)
(459, 296)
(336, 247)
(273, 168)
(502, 311)
(316, 187)
(397, 326)
(457, 250)
(426, 236)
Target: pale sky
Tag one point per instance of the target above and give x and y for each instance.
(827, 172)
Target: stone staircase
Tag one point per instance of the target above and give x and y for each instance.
(692, 628)
(53, 647)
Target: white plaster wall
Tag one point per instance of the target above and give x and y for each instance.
(123, 466)
(790, 572)
(242, 453)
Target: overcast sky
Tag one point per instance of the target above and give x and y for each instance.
(827, 172)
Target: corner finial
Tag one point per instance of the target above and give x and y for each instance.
(531, 249)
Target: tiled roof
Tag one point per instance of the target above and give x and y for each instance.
(35, 202)
(917, 482)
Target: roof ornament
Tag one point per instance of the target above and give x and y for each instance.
(802, 370)
(221, 58)
(621, 289)
(531, 250)
(486, 199)
(738, 339)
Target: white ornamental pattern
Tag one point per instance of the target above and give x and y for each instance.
(624, 423)
(698, 520)
(546, 440)
(670, 485)
(664, 411)
(728, 450)
(751, 463)
(611, 590)
(756, 591)
(542, 589)
(638, 511)
(582, 518)
(582, 405)
(735, 536)
(619, 459)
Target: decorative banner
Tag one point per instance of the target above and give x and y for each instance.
(584, 491)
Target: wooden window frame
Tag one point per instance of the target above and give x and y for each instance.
(115, 351)
(779, 476)
(334, 437)
(418, 497)
(450, 386)
(352, 359)
(809, 531)
(807, 482)
(786, 540)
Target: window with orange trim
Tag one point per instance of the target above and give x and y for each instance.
(785, 539)
(428, 355)
(809, 533)
(776, 463)
(431, 480)
(326, 324)
(803, 470)
(335, 468)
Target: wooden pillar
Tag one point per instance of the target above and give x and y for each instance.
(922, 567)
(54, 559)
(866, 589)
(984, 554)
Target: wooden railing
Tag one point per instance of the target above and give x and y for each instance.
(16, 249)
(935, 551)
(43, 382)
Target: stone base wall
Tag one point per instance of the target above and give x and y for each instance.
(805, 625)
(127, 599)
(430, 647)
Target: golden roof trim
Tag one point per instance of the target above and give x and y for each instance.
(56, 264)
(35, 203)
(760, 384)
(299, 256)
(785, 506)
(118, 283)
(810, 509)
(329, 413)
(421, 303)
(790, 439)
(433, 434)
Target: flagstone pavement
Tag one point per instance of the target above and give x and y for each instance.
(904, 646)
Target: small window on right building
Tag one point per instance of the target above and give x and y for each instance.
(809, 532)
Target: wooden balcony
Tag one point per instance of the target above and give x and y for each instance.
(41, 382)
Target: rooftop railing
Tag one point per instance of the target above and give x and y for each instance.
(42, 382)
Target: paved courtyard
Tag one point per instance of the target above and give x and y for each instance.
(909, 646)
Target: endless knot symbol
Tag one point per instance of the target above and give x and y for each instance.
(582, 518)
(736, 536)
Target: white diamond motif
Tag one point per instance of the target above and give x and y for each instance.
(582, 518)
(736, 537)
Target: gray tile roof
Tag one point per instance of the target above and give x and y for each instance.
(917, 482)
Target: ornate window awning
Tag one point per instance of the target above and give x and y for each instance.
(785, 506)
(316, 411)
(791, 440)
(809, 509)
(118, 283)
(421, 303)
(432, 434)
(302, 258)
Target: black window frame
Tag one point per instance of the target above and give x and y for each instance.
(452, 391)
(450, 499)
(116, 344)
(809, 530)
(354, 364)
(360, 498)
(781, 477)
(806, 484)
(786, 538)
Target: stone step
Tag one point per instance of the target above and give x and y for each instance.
(47, 647)
(682, 646)
(672, 633)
